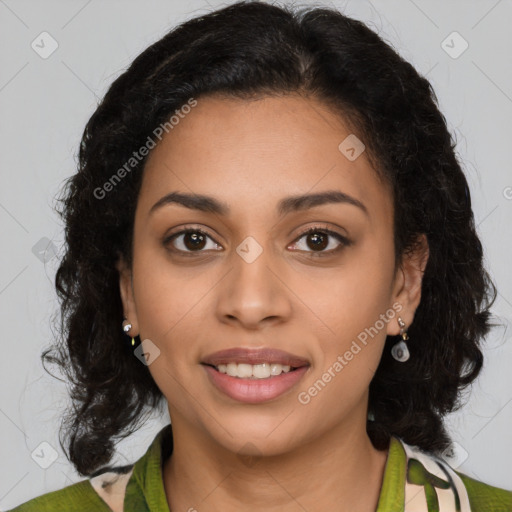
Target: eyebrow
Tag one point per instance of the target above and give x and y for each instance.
(289, 204)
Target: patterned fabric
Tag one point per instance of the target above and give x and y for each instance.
(432, 485)
(414, 481)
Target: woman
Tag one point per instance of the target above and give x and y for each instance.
(270, 232)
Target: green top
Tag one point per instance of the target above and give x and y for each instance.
(411, 479)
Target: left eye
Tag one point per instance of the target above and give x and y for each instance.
(317, 239)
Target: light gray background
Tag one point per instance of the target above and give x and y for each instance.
(44, 105)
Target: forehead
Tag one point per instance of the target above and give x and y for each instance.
(251, 153)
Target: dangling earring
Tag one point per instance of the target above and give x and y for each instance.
(126, 328)
(400, 352)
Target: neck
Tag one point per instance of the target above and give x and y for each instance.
(339, 469)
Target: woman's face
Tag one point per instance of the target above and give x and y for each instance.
(254, 280)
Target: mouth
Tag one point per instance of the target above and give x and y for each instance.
(254, 376)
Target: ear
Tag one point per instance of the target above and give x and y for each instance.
(407, 284)
(126, 291)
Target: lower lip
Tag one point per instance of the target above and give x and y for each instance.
(255, 391)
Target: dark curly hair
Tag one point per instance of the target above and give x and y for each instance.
(249, 50)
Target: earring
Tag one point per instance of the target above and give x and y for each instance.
(400, 352)
(126, 328)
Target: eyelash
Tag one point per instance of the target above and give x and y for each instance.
(344, 242)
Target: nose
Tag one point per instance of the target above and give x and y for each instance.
(253, 293)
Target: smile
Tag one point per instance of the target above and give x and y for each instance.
(245, 386)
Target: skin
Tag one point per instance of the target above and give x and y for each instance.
(250, 155)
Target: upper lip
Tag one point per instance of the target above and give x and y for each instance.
(254, 356)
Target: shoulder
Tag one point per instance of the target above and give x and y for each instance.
(107, 488)
(103, 492)
(430, 478)
(484, 497)
(77, 497)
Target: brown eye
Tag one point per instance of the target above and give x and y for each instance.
(193, 241)
(317, 239)
(190, 240)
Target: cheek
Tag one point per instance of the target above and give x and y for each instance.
(354, 305)
(169, 298)
(170, 312)
(350, 346)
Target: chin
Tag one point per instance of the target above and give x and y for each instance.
(268, 437)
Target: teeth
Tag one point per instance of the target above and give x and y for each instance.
(253, 371)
